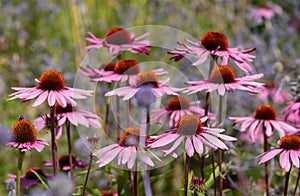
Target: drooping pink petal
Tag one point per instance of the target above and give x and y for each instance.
(132, 158)
(295, 158)
(269, 155)
(163, 141)
(189, 147)
(284, 160)
(198, 145)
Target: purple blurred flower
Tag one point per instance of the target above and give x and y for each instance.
(64, 163)
(291, 112)
(266, 11)
(30, 179)
(270, 90)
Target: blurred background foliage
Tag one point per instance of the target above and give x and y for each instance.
(38, 35)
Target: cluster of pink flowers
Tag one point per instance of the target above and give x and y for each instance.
(190, 128)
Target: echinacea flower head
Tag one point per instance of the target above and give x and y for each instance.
(197, 185)
(265, 12)
(104, 69)
(216, 44)
(289, 150)
(191, 132)
(69, 113)
(127, 151)
(223, 78)
(291, 112)
(64, 163)
(124, 70)
(24, 136)
(264, 120)
(271, 91)
(119, 40)
(176, 107)
(145, 79)
(50, 85)
(30, 178)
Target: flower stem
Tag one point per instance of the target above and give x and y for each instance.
(186, 174)
(19, 172)
(145, 128)
(68, 127)
(135, 184)
(130, 182)
(87, 174)
(107, 115)
(286, 184)
(128, 112)
(213, 170)
(220, 120)
(266, 164)
(118, 119)
(53, 142)
(297, 183)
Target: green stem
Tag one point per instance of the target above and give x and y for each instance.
(286, 184)
(266, 146)
(107, 115)
(19, 172)
(213, 169)
(118, 116)
(220, 120)
(68, 127)
(145, 128)
(53, 142)
(87, 174)
(135, 184)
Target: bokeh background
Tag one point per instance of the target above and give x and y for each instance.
(39, 35)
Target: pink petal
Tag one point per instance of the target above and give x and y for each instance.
(40, 99)
(163, 141)
(189, 147)
(269, 155)
(198, 145)
(132, 158)
(294, 158)
(51, 98)
(146, 159)
(284, 160)
(175, 145)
